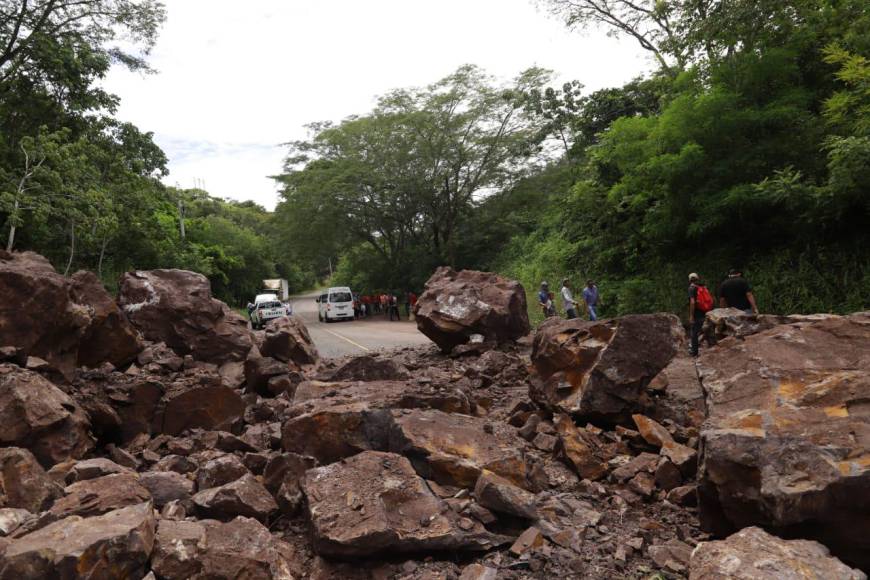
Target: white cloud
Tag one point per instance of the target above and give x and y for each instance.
(237, 79)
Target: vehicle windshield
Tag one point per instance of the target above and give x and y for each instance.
(340, 297)
(270, 305)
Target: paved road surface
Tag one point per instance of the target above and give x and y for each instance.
(357, 336)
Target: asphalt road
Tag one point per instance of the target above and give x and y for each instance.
(337, 339)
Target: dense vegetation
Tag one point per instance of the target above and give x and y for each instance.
(83, 188)
(748, 146)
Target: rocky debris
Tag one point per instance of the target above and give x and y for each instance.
(722, 323)
(374, 502)
(166, 486)
(500, 495)
(581, 449)
(287, 340)
(176, 307)
(241, 548)
(785, 444)
(243, 497)
(478, 572)
(115, 545)
(67, 322)
(93, 468)
(370, 368)
(331, 421)
(677, 395)
(94, 497)
(219, 471)
(259, 371)
(37, 415)
(673, 555)
(120, 406)
(198, 401)
(283, 477)
(23, 482)
(454, 449)
(683, 457)
(600, 370)
(753, 554)
(457, 305)
(11, 519)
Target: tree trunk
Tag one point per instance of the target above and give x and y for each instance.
(72, 247)
(10, 241)
(102, 255)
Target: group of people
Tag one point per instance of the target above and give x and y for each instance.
(385, 303)
(590, 296)
(734, 292)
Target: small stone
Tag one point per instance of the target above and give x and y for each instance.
(528, 540)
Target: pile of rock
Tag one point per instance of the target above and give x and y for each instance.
(596, 450)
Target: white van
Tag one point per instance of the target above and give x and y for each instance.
(335, 304)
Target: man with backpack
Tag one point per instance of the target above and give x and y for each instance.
(700, 303)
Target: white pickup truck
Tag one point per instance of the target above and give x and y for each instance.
(265, 308)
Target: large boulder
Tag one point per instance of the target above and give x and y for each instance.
(116, 545)
(785, 445)
(374, 502)
(330, 421)
(94, 497)
(245, 496)
(242, 548)
(37, 415)
(600, 370)
(67, 322)
(456, 305)
(287, 340)
(200, 400)
(753, 554)
(176, 307)
(23, 482)
(722, 323)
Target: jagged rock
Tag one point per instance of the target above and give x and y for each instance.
(37, 415)
(454, 449)
(672, 555)
(258, 372)
(753, 554)
(115, 545)
(166, 486)
(283, 477)
(336, 420)
(722, 323)
(684, 495)
(93, 468)
(109, 337)
(94, 497)
(374, 502)
(682, 456)
(581, 449)
(243, 497)
(478, 572)
(23, 482)
(287, 340)
(219, 471)
(500, 495)
(600, 370)
(263, 435)
(785, 445)
(531, 539)
(370, 368)
(120, 407)
(645, 462)
(456, 305)
(176, 307)
(11, 519)
(201, 401)
(678, 395)
(241, 548)
(64, 321)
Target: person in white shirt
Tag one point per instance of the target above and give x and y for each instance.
(568, 300)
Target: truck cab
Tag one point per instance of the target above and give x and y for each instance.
(266, 307)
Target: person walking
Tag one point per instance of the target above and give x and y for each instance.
(700, 303)
(568, 301)
(545, 299)
(735, 292)
(591, 298)
(393, 305)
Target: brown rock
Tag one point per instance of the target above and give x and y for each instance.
(455, 306)
(722, 323)
(785, 445)
(645, 462)
(500, 495)
(23, 482)
(531, 539)
(374, 502)
(220, 471)
(600, 370)
(241, 548)
(673, 555)
(753, 554)
(478, 572)
(667, 475)
(685, 495)
(37, 415)
(11, 519)
(370, 368)
(287, 340)
(678, 393)
(258, 371)
(580, 449)
(93, 468)
(64, 321)
(166, 486)
(454, 449)
(643, 484)
(243, 497)
(115, 545)
(176, 307)
(94, 497)
(283, 477)
(202, 401)
(652, 432)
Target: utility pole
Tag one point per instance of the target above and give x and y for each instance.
(330, 266)
(181, 217)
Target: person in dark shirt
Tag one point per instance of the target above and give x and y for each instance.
(735, 292)
(545, 300)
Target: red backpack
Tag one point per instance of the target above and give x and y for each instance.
(703, 299)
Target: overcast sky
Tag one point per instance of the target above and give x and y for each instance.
(234, 83)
